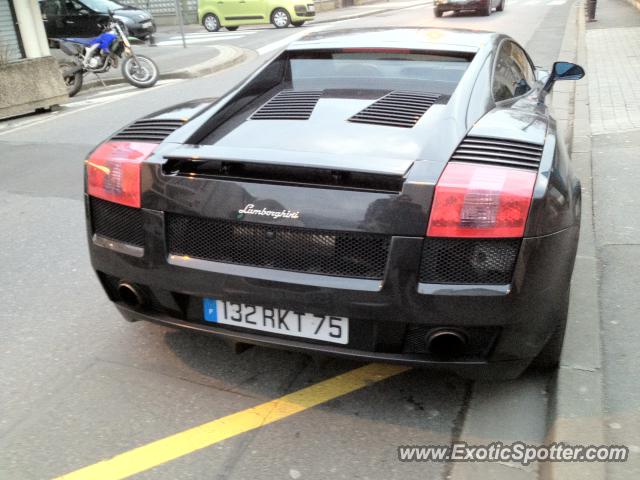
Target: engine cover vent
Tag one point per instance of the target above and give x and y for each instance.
(148, 130)
(288, 105)
(499, 152)
(397, 109)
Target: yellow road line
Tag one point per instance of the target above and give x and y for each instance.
(175, 446)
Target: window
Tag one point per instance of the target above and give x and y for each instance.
(513, 74)
(381, 70)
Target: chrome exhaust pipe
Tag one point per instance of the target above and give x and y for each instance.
(446, 343)
(130, 295)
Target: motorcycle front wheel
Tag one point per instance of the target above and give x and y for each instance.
(140, 71)
(72, 80)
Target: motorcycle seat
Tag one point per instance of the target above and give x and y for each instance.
(87, 42)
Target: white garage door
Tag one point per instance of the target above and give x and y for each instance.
(9, 46)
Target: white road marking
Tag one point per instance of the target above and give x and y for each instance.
(109, 90)
(9, 126)
(270, 47)
(213, 35)
(556, 3)
(169, 43)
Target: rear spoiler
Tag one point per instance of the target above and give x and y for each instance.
(291, 168)
(348, 163)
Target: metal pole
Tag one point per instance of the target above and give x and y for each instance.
(181, 22)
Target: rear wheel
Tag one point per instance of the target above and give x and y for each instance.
(72, 80)
(485, 12)
(297, 24)
(140, 72)
(231, 29)
(437, 12)
(210, 22)
(500, 7)
(280, 18)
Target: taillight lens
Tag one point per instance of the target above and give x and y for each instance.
(481, 201)
(113, 171)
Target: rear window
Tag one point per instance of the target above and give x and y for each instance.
(379, 70)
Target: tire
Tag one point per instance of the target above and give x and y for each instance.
(437, 12)
(500, 8)
(73, 81)
(210, 22)
(487, 10)
(231, 29)
(298, 24)
(549, 356)
(144, 75)
(280, 18)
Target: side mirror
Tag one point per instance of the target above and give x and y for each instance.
(563, 71)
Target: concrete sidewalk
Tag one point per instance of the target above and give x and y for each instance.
(597, 394)
(173, 62)
(613, 62)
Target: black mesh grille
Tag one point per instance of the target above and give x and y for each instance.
(397, 109)
(499, 152)
(117, 222)
(345, 254)
(468, 261)
(148, 130)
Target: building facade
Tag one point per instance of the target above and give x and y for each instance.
(10, 44)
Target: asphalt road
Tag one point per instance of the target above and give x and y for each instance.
(79, 385)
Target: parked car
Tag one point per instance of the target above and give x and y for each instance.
(83, 18)
(230, 14)
(483, 7)
(430, 216)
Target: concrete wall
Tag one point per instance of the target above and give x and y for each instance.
(30, 84)
(324, 5)
(34, 82)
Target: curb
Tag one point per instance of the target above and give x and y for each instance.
(228, 56)
(577, 394)
(368, 14)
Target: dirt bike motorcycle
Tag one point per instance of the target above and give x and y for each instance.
(102, 53)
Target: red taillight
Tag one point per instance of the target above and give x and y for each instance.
(113, 171)
(481, 201)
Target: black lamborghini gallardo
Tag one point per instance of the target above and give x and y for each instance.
(397, 195)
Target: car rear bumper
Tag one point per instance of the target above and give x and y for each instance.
(459, 7)
(476, 369)
(302, 16)
(138, 30)
(303, 12)
(506, 325)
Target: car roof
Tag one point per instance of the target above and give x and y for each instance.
(438, 39)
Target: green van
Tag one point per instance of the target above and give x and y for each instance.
(230, 14)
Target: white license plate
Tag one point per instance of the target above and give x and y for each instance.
(146, 24)
(327, 328)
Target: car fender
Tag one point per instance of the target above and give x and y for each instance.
(209, 7)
